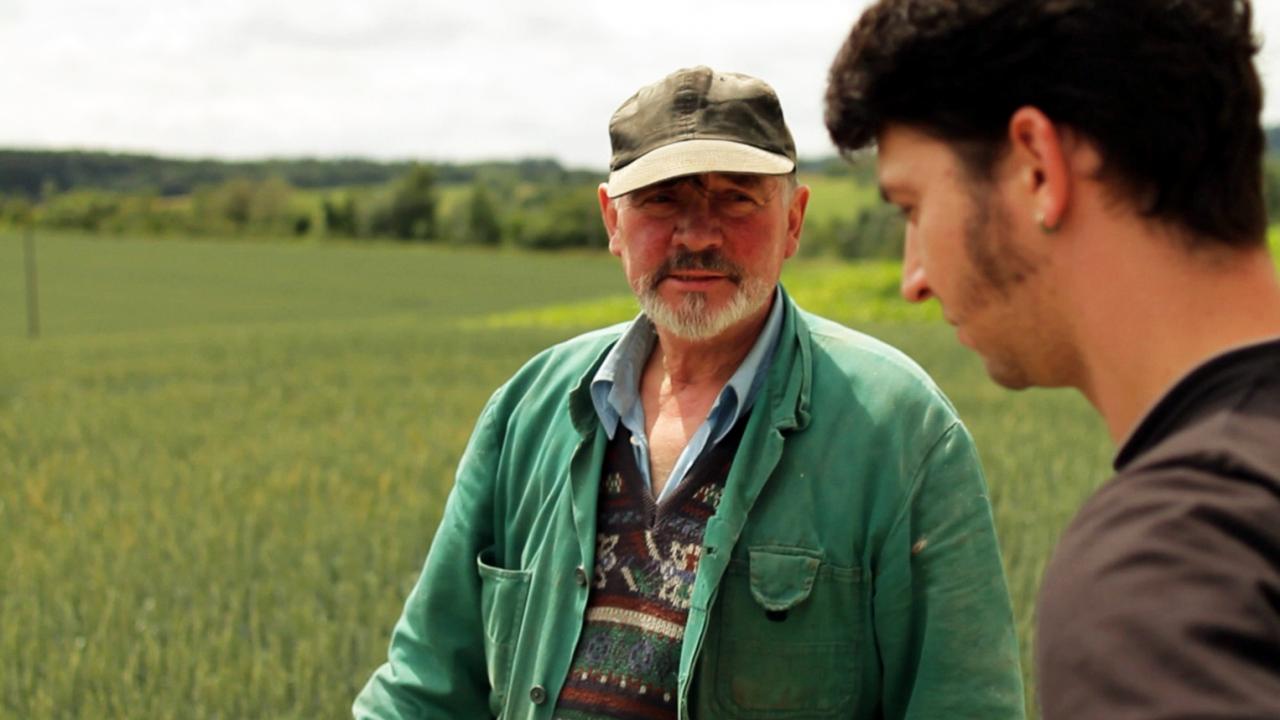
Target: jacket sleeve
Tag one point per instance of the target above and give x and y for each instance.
(436, 663)
(943, 621)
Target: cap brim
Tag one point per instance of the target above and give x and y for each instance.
(691, 157)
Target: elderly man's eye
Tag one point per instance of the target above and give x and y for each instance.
(736, 203)
(657, 203)
(655, 197)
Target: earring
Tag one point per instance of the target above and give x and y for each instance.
(1044, 228)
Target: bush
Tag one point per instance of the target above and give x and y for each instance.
(411, 213)
(876, 232)
(562, 217)
(483, 226)
(82, 210)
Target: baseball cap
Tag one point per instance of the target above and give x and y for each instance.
(697, 120)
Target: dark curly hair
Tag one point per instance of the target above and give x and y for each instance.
(1166, 89)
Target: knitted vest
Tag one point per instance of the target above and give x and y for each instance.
(628, 655)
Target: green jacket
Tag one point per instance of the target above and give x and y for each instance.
(855, 503)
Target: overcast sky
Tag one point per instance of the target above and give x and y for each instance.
(394, 79)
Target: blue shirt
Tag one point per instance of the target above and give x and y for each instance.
(615, 392)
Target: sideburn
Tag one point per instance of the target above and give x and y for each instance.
(997, 261)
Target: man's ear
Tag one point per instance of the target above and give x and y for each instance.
(795, 218)
(1039, 150)
(609, 213)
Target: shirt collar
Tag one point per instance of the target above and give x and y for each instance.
(740, 392)
(615, 388)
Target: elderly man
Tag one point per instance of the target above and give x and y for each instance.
(727, 508)
(1081, 181)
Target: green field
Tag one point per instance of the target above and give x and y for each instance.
(221, 465)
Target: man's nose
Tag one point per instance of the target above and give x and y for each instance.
(697, 227)
(915, 284)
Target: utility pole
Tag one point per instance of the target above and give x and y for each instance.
(33, 294)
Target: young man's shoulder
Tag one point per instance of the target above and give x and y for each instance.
(1174, 557)
(1165, 562)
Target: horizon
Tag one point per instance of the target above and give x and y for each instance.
(169, 157)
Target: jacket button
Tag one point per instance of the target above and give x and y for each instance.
(538, 694)
(580, 576)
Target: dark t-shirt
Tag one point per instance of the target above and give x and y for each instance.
(1162, 600)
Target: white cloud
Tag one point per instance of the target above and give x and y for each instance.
(394, 78)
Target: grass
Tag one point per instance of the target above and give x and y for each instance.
(869, 294)
(221, 466)
(101, 286)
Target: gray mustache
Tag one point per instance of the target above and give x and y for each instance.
(706, 260)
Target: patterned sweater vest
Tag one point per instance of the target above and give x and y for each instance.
(628, 655)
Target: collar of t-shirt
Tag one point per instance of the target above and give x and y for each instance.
(1210, 385)
(615, 392)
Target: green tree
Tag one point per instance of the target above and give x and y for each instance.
(84, 210)
(483, 226)
(412, 214)
(271, 208)
(234, 202)
(875, 232)
(341, 216)
(563, 217)
(16, 211)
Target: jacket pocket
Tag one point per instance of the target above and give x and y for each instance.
(788, 637)
(503, 594)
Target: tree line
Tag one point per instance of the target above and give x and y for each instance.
(534, 203)
(531, 203)
(34, 174)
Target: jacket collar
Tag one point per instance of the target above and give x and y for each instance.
(790, 380)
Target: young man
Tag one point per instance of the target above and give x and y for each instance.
(1081, 181)
(726, 508)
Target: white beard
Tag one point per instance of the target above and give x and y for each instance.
(691, 320)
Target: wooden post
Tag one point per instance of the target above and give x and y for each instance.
(33, 295)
